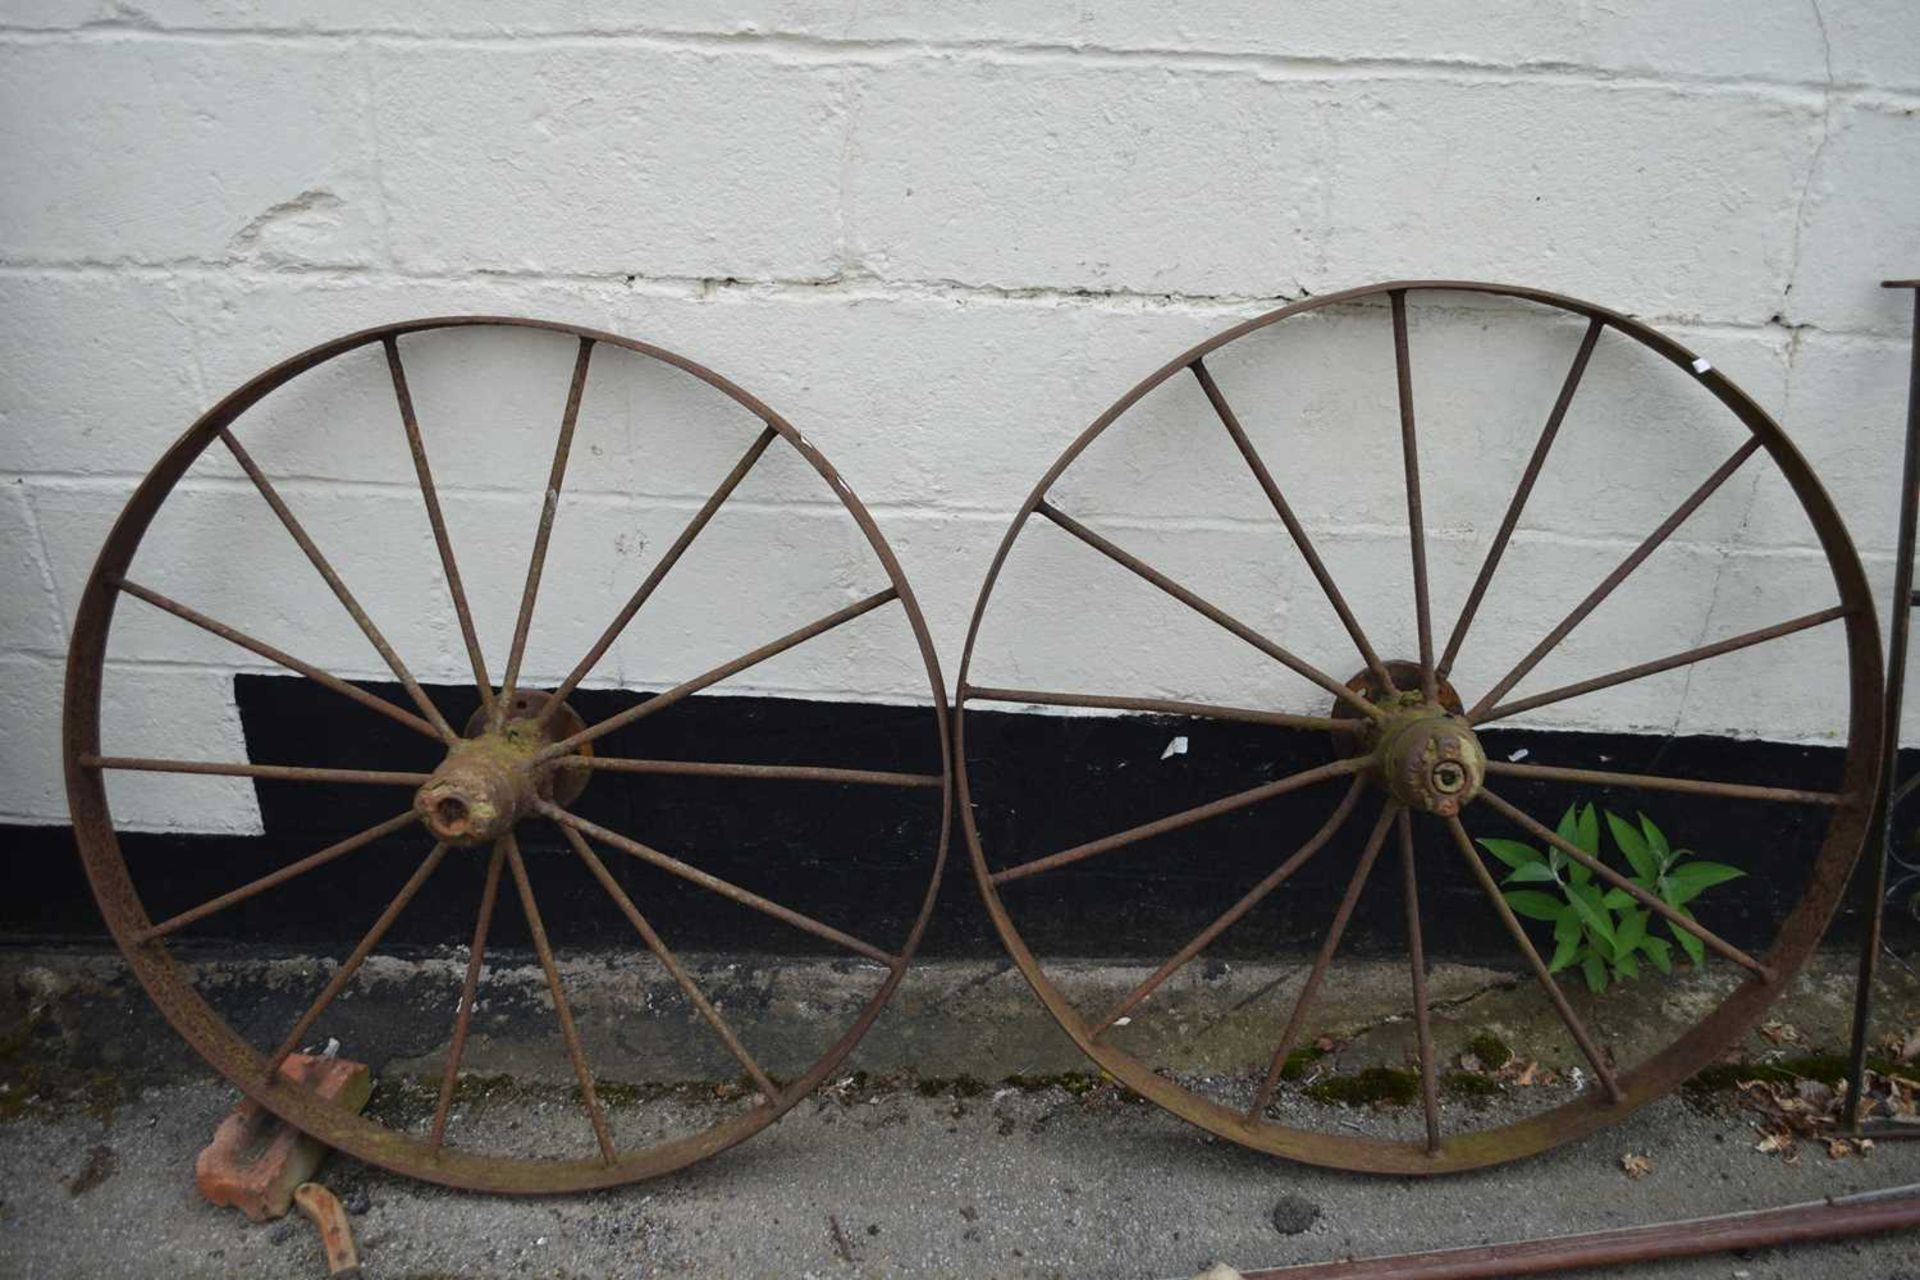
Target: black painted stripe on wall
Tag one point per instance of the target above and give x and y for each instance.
(857, 856)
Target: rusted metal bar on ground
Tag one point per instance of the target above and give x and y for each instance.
(1894, 1209)
(1880, 827)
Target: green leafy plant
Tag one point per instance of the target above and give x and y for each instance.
(1604, 930)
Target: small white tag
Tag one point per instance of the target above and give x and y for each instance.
(1702, 365)
(1519, 754)
(1178, 747)
(1122, 1022)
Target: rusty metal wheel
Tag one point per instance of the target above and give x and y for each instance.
(524, 758)
(1399, 747)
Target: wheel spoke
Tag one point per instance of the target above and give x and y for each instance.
(1416, 518)
(351, 965)
(373, 702)
(175, 923)
(1204, 939)
(481, 682)
(659, 572)
(1520, 494)
(1655, 782)
(562, 1011)
(1185, 818)
(1644, 669)
(463, 1019)
(278, 772)
(338, 587)
(1417, 954)
(761, 772)
(1159, 706)
(1646, 548)
(549, 507)
(1295, 529)
(1651, 901)
(726, 889)
(1303, 1004)
(1211, 612)
(661, 701)
(1575, 1027)
(670, 963)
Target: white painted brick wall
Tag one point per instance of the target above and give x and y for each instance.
(940, 239)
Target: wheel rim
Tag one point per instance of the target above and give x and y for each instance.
(537, 784)
(1451, 736)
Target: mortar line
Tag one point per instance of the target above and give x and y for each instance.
(809, 49)
(1357, 533)
(857, 286)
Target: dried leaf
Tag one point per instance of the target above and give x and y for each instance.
(1636, 1167)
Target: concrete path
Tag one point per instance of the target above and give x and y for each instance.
(1030, 1183)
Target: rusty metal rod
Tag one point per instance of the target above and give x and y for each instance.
(1655, 782)
(175, 923)
(1880, 825)
(338, 586)
(762, 772)
(1185, 818)
(1679, 921)
(1417, 954)
(351, 965)
(726, 889)
(1731, 644)
(562, 1011)
(1303, 1003)
(1416, 516)
(482, 683)
(668, 961)
(1620, 573)
(1295, 529)
(373, 702)
(1212, 612)
(1575, 1028)
(278, 772)
(687, 688)
(543, 533)
(658, 573)
(1865, 1213)
(1528, 478)
(1160, 706)
(469, 990)
(1251, 899)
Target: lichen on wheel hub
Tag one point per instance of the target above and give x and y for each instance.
(1425, 753)
(496, 774)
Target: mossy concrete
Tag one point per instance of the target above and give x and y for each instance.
(73, 1014)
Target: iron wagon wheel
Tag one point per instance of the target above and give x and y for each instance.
(1400, 743)
(523, 758)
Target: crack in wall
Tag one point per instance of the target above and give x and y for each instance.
(1813, 162)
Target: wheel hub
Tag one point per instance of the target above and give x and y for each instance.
(1425, 754)
(1431, 761)
(492, 777)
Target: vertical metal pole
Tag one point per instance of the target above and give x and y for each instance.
(1881, 824)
